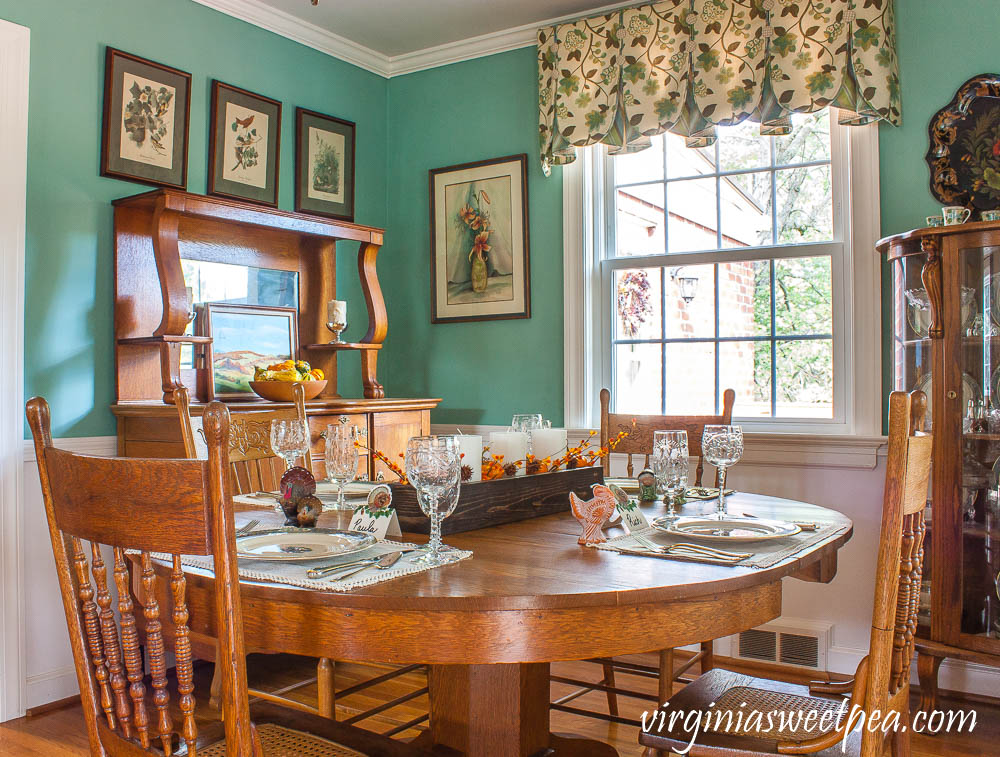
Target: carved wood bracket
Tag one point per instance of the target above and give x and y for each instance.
(930, 275)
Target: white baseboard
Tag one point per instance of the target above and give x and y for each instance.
(51, 686)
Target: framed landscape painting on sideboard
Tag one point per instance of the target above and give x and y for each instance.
(479, 241)
(243, 145)
(244, 337)
(144, 135)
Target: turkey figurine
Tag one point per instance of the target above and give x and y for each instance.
(593, 513)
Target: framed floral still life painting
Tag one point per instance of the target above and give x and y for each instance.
(324, 165)
(243, 143)
(243, 338)
(479, 241)
(144, 136)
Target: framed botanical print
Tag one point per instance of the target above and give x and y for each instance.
(144, 136)
(479, 241)
(324, 165)
(243, 143)
(243, 337)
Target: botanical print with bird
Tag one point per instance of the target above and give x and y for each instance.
(147, 125)
(245, 146)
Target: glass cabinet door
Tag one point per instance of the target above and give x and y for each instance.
(979, 506)
(911, 321)
(911, 356)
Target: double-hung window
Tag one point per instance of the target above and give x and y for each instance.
(730, 266)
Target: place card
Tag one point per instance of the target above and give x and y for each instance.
(631, 515)
(379, 523)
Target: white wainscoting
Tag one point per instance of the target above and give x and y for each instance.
(850, 481)
(48, 665)
(846, 474)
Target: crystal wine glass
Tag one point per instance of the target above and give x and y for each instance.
(289, 439)
(341, 458)
(434, 467)
(670, 466)
(722, 447)
(526, 423)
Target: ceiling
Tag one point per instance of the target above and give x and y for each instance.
(398, 27)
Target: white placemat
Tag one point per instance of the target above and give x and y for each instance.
(764, 553)
(294, 573)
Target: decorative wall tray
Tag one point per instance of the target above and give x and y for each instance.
(964, 153)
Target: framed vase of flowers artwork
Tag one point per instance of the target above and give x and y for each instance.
(144, 136)
(243, 145)
(324, 165)
(479, 241)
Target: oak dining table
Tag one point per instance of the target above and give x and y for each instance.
(488, 627)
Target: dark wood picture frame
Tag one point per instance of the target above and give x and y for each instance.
(204, 327)
(232, 186)
(317, 205)
(466, 173)
(143, 166)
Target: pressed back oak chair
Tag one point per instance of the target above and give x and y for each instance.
(639, 441)
(882, 681)
(129, 510)
(255, 467)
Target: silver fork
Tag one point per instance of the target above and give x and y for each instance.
(247, 527)
(685, 547)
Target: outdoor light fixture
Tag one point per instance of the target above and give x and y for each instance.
(688, 285)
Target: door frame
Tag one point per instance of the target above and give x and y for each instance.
(14, 66)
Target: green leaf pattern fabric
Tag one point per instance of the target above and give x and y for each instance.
(687, 66)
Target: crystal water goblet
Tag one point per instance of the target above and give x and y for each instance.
(722, 447)
(341, 458)
(434, 467)
(289, 439)
(670, 466)
(526, 423)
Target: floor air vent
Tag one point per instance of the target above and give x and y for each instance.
(800, 643)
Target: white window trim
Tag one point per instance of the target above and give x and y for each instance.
(857, 309)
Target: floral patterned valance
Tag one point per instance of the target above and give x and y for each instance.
(686, 66)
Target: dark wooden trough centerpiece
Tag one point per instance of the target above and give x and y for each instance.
(504, 500)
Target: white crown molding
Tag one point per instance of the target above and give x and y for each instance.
(257, 13)
(294, 28)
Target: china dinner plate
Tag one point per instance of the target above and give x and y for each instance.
(290, 544)
(630, 485)
(731, 529)
(358, 489)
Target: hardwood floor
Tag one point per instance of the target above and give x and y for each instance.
(60, 733)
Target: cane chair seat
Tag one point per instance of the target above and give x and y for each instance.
(727, 700)
(279, 741)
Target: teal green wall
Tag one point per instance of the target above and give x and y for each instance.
(479, 109)
(938, 52)
(69, 255)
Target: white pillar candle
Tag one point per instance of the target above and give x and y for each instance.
(513, 445)
(471, 447)
(548, 442)
(336, 311)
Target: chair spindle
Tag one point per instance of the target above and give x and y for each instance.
(182, 654)
(134, 665)
(155, 650)
(112, 646)
(91, 625)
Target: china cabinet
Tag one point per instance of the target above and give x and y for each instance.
(945, 327)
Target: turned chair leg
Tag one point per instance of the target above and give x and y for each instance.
(326, 692)
(609, 680)
(927, 674)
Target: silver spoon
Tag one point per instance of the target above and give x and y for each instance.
(366, 561)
